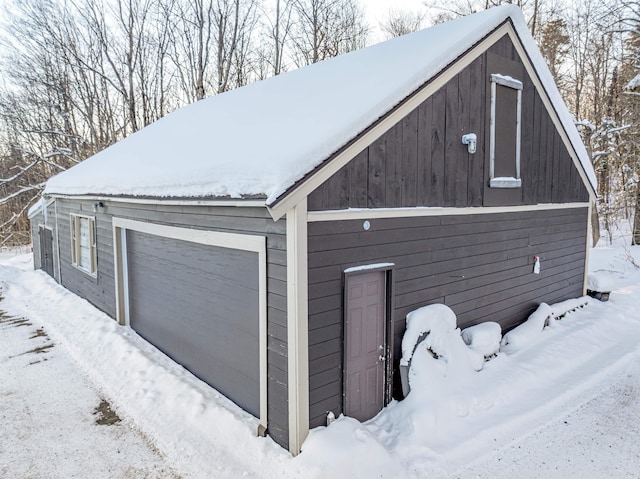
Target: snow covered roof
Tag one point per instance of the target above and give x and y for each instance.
(260, 139)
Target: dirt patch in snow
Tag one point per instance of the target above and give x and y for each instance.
(39, 350)
(105, 416)
(39, 333)
(13, 321)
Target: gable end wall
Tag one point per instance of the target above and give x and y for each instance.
(421, 161)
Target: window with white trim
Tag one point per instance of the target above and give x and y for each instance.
(504, 141)
(83, 243)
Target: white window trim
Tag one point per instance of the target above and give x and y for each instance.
(74, 228)
(504, 182)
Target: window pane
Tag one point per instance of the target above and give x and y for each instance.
(505, 140)
(84, 261)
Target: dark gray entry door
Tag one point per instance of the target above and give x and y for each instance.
(199, 305)
(46, 250)
(365, 344)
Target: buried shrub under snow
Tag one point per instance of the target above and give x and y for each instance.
(436, 352)
(442, 343)
(545, 315)
(483, 338)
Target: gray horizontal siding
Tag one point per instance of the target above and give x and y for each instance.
(479, 265)
(101, 290)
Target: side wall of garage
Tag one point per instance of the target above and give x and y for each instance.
(100, 290)
(480, 265)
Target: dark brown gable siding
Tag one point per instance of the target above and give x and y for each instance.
(421, 161)
(480, 265)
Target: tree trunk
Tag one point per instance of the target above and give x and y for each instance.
(635, 235)
(595, 224)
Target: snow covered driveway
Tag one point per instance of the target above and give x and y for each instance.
(50, 420)
(599, 439)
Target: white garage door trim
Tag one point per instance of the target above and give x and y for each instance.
(243, 242)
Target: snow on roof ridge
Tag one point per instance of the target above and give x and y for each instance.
(260, 139)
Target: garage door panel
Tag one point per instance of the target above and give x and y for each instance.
(191, 286)
(199, 304)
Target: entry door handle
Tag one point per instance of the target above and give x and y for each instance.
(382, 358)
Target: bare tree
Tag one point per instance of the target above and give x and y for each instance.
(326, 28)
(400, 22)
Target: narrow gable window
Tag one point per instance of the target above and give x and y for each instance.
(504, 147)
(83, 243)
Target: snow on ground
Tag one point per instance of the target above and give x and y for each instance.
(49, 415)
(564, 403)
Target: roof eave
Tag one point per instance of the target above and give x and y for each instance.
(253, 201)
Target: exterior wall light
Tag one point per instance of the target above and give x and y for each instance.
(470, 139)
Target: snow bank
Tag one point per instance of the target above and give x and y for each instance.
(522, 335)
(332, 452)
(484, 338)
(562, 308)
(601, 281)
(526, 333)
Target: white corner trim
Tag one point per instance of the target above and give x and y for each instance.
(365, 213)
(119, 256)
(244, 242)
(55, 208)
(587, 251)
(297, 326)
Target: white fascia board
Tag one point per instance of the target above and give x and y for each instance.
(379, 213)
(39, 206)
(162, 201)
(244, 242)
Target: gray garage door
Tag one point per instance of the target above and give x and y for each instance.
(199, 304)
